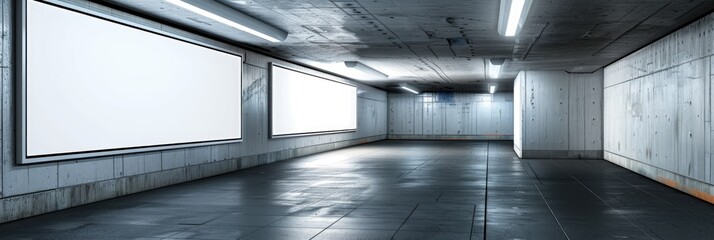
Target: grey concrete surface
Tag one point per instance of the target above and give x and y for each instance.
(657, 109)
(447, 115)
(395, 190)
(558, 114)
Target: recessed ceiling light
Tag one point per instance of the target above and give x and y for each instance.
(492, 89)
(494, 68)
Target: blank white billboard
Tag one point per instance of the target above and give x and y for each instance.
(95, 86)
(304, 104)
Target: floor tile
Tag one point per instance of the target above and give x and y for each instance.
(405, 189)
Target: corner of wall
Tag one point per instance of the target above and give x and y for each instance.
(562, 114)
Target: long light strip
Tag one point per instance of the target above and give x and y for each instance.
(220, 19)
(514, 17)
(365, 69)
(409, 89)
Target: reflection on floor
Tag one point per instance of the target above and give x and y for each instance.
(395, 190)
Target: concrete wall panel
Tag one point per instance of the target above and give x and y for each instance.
(710, 162)
(503, 115)
(576, 113)
(453, 121)
(559, 114)
(593, 105)
(667, 127)
(547, 110)
(84, 171)
(427, 118)
(691, 119)
(418, 118)
(484, 117)
(4, 64)
(438, 119)
(451, 116)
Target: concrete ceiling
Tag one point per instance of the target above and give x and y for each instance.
(444, 45)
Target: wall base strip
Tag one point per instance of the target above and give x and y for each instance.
(562, 154)
(696, 188)
(32, 204)
(449, 137)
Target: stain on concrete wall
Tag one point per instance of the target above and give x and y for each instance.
(447, 115)
(559, 114)
(658, 110)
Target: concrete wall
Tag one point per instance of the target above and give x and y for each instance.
(658, 110)
(35, 189)
(559, 114)
(446, 115)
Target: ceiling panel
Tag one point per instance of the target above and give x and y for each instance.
(442, 45)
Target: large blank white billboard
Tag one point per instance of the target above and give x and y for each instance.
(304, 104)
(93, 86)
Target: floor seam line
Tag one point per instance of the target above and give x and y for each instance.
(420, 165)
(404, 222)
(439, 197)
(639, 188)
(602, 200)
(485, 199)
(547, 204)
(283, 217)
(473, 216)
(333, 223)
(534, 173)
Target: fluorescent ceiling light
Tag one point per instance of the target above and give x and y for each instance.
(512, 16)
(409, 88)
(339, 68)
(494, 71)
(491, 89)
(230, 17)
(365, 68)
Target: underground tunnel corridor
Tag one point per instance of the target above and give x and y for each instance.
(356, 119)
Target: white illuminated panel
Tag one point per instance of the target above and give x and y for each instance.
(305, 104)
(93, 85)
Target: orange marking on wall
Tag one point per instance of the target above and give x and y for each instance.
(669, 182)
(701, 195)
(694, 192)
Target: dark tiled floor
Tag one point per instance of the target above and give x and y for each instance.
(395, 190)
